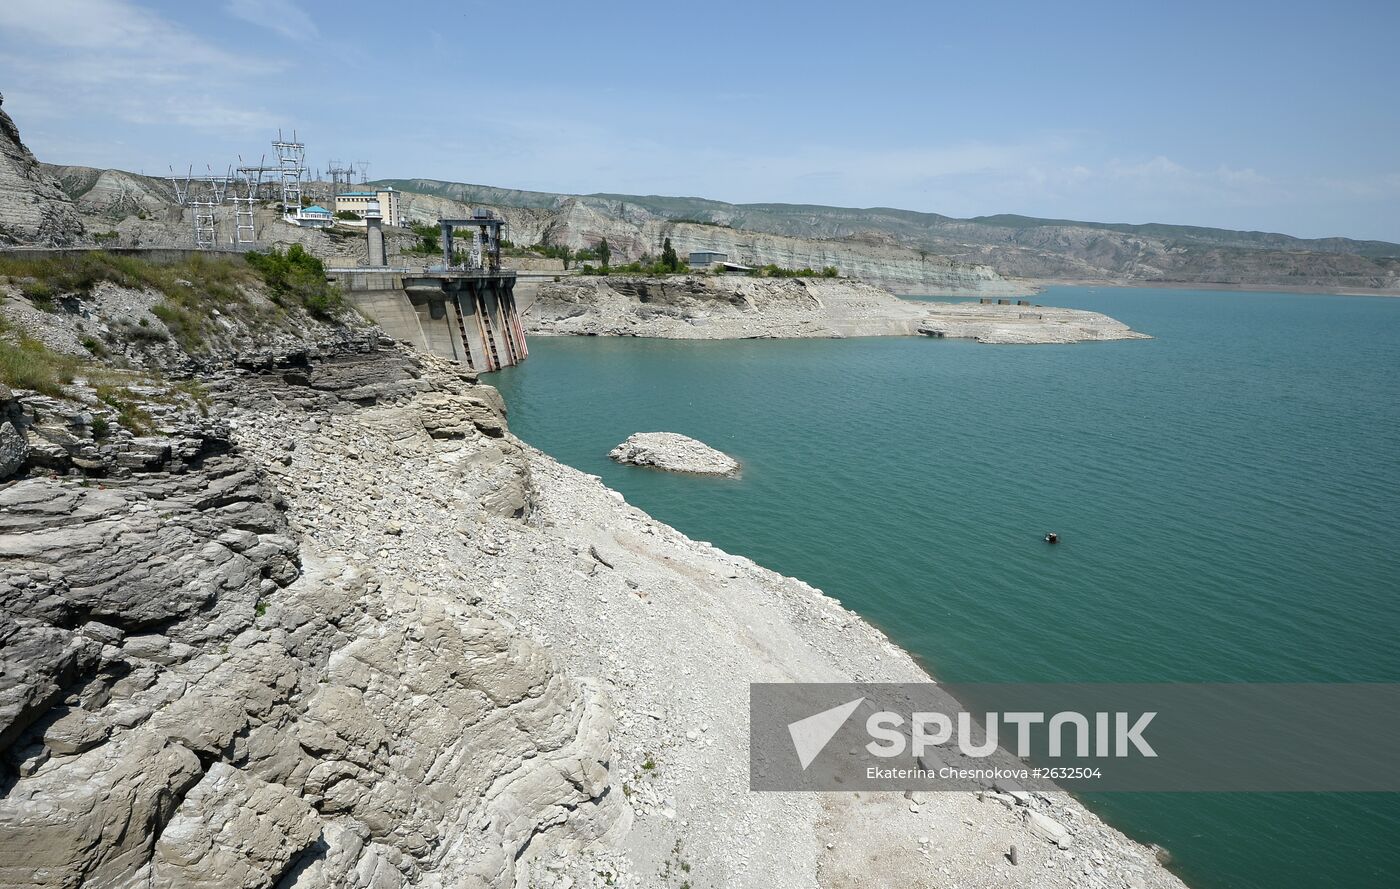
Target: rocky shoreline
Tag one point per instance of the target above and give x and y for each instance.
(669, 632)
(725, 307)
(365, 637)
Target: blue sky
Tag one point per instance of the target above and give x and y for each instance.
(1279, 116)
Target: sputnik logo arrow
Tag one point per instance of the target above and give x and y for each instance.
(812, 734)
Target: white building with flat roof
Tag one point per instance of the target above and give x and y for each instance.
(359, 203)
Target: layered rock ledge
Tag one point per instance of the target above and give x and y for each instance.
(675, 453)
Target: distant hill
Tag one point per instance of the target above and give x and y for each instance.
(1013, 246)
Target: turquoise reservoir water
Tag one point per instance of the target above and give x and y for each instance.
(1227, 494)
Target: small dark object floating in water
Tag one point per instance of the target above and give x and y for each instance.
(1051, 537)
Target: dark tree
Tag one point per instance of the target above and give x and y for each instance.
(668, 256)
(604, 252)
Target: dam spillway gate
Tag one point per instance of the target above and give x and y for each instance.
(479, 310)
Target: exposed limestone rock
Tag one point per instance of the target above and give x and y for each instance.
(14, 445)
(113, 194)
(133, 554)
(33, 208)
(707, 307)
(673, 452)
(451, 416)
(192, 697)
(1047, 829)
(233, 830)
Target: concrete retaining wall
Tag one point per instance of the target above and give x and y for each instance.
(158, 255)
(391, 310)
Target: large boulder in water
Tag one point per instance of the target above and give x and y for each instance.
(673, 452)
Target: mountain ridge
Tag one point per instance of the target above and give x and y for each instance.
(892, 247)
(662, 203)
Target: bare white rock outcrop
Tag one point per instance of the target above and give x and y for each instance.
(675, 453)
(1023, 325)
(710, 307)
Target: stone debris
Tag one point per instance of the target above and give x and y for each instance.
(674, 453)
(1047, 829)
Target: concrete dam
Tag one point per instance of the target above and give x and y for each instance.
(461, 311)
(466, 315)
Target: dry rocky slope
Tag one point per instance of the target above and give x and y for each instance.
(284, 605)
(739, 307)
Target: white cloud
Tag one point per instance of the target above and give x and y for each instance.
(116, 61)
(113, 30)
(281, 17)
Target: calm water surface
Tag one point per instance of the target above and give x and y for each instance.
(1227, 496)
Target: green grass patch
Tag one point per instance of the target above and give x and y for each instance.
(197, 391)
(78, 273)
(144, 334)
(191, 288)
(41, 294)
(26, 363)
(130, 413)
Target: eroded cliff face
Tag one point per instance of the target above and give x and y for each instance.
(717, 307)
(198, 685)
(198, 692)
(33, 208)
